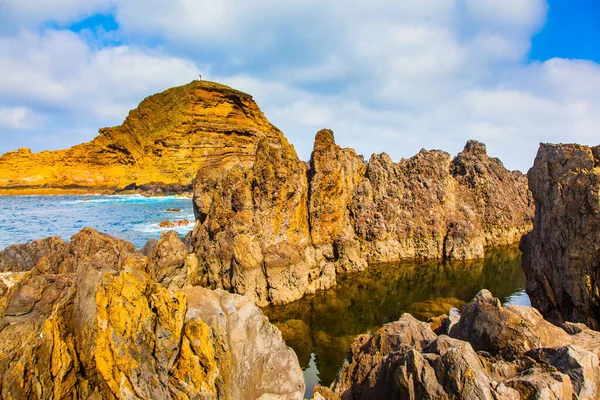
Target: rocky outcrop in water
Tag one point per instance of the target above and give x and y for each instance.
(94, 319)
(561, 256)
(275, 230)
(492, 352)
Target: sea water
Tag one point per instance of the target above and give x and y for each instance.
(134, 218)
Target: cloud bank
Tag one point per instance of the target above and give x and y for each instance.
(393, 76)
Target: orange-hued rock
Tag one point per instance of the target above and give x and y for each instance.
(95, 319)
(163, 141)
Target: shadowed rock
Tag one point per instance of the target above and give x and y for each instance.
(561, 256)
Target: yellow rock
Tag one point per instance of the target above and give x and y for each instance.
(165, 140)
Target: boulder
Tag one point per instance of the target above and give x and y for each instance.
(23, 257)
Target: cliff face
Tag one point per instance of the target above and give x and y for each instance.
(561, 256)
(165, 140)
(94, 319)
(276, 230)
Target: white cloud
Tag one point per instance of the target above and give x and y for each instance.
(17, 118)
(390, 75)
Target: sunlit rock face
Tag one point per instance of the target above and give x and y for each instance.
(562, 254)
(276, 229)
(163, 141)
(95, 319)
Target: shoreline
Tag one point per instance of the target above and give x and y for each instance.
(54, 192)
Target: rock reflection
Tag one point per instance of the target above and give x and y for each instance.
(324, 325)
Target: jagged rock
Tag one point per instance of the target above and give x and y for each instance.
(561, 256)
(581, 365)
(23, 257)
(407, 360)
(484, 320)
(276, 236)
(333, 175)
(167, 261)
(106, 329)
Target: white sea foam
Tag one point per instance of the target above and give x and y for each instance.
(154, 228)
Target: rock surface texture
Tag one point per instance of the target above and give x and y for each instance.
(492, 352)
(161, 144)
(95, 319)
(274, 229)
(561, 256)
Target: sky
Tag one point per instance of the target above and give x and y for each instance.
(390, 76)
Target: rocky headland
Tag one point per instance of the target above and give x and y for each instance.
(158, 148)
(561, 256)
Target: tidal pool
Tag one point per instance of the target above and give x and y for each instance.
(321, 328)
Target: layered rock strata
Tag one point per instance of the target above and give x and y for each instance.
(95, 319)
(561, 256)
(158, 148)
(490, 352)
(275, 229)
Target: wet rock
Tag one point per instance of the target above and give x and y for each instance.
(561, 256)
(174, 224)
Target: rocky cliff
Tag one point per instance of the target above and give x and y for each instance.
(488, 352)
(95, 319)
(164, 141)
(561, 256)
(275, 229)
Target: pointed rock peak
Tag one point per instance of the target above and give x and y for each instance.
(475, 147)
(324, 139)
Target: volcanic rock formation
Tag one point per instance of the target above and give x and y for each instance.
(163, 142)
(270, 226)
(94, 319)
(561, 256)
(492, 352)
(274, 230)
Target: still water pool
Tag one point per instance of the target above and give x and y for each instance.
(321, 328)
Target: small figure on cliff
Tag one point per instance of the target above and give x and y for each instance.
(199, 78)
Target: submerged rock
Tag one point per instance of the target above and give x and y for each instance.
(493, 352)
(561, 256)
(109, 327)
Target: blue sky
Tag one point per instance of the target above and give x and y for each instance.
(389, 75)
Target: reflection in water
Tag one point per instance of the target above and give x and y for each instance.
(322, 327)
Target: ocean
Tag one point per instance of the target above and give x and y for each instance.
(134, 218)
